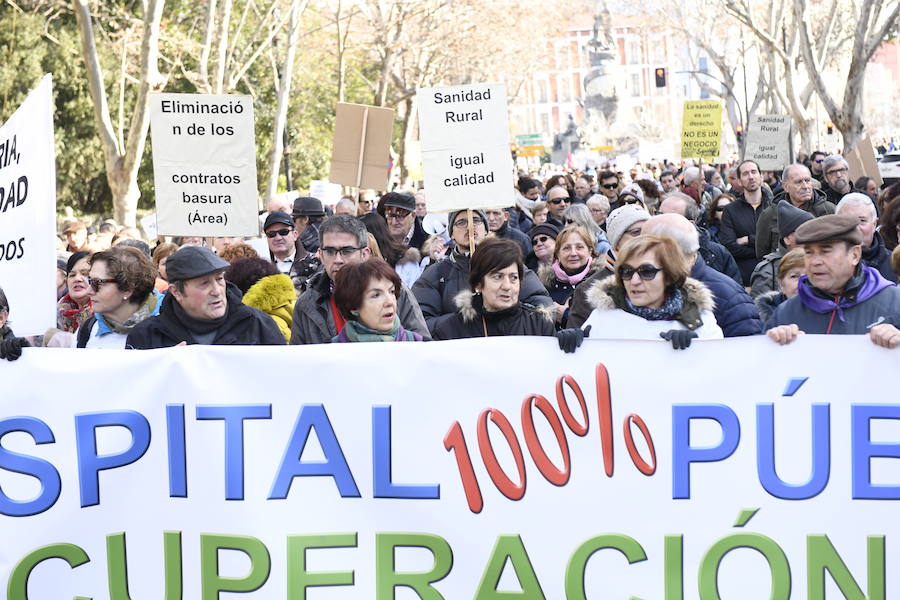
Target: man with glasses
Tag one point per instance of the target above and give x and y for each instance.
(398, 209)
(289, 256)
(609, 187)
(437, 288)
(316, 319)
(557, 203)
(202, 308)
(837, 176)
(815, 166)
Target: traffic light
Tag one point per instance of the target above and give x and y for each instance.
(739, 133)
(660, 77)
(830, 126)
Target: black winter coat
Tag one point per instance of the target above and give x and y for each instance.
(439, 285)
(717, 257)
(878, 257)
(471, 320)
(739, 220)
(734, 310)
(767, 234)
(512, 233)
(243, 325)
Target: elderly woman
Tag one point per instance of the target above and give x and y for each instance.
(573, 262)
(122, 294)
(581, 214)
(491, 306)
(651, 296)
(543, 244)
(366, 295)
(10, 345)
(73, 308)
(791, 267)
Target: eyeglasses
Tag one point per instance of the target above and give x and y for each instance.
(630, 200)
(277, 232)
(345, 252)
(609, 186)
(840, 171)
(598, 211)
(645, 272)
(396, 215)
(96, 283)
(818, 160)
(460, 223)
(558, 200)
(541, 239)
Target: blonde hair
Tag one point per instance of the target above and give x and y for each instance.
(795, 259)
(580, 231)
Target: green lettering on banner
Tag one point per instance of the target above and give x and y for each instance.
(511, 547)
(299, 579)
(674, 562)
(117, 566)
(386, 576)
(627, 545)
(212, 582)
(821, 556)
(17, 588)
(771, 551)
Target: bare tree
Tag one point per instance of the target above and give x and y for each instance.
(872, 28)
(122, 155)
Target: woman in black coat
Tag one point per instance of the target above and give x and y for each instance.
(492, 307)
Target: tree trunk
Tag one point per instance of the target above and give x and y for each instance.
(406, 124)
(284, 96)
(385, 77)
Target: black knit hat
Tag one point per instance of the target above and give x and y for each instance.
(790, 218)
(543, 229)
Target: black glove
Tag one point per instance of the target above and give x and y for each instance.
(680, 338)
(570, 339)
(11, 349)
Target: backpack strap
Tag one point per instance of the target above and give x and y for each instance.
(84, 331)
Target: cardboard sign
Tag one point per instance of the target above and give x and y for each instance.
(465, 147)
(862, 161)
(701, 129)
(148, 224)
(362, 142)
(768, 141)
(204, 164)
(27, 213)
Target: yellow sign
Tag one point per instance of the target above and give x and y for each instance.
(602, 148)
(701, 129)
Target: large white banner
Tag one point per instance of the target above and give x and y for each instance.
(736, 469)
(204, 164)
(466, 155)
(28, 212)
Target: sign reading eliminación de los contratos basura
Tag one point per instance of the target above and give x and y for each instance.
(465, 147)
(204, 164)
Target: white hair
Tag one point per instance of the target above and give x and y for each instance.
(856, 199)
(691, 174)
(598, 201)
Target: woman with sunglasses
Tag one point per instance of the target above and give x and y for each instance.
(651, 297)
(73, 308)
(573, 262)
(122, 293)
(713, 219)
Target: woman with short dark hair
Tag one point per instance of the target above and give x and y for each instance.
(367, 294)
(122, 292)
(75, 307)
(491, 306)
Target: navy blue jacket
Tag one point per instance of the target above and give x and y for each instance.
(735, 312)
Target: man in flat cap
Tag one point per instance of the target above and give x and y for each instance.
(202, 308)
(839, 294)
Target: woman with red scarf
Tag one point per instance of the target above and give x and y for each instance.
(75, 307)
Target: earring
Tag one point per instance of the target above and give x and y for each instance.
(355, 313)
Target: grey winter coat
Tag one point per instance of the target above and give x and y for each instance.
(767, 234)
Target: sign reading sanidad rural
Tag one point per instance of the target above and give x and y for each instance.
(701, 129)
(204, 164)
(580, 478)
(768, 141)
(465, 147)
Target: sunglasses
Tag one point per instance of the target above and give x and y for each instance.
(818, 160)
(645, 272)
(96, 283)
(630, 200)
(610, 186)
(277, 232)
(558, 200)
(396, 215)
(541, 239)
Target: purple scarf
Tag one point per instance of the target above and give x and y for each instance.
(872, 283)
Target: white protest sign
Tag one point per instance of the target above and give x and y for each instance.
(204, 164)
(329, 193)
(148, 224)
(27, 213)
(615, 472)
(466, 157)
(767, 141)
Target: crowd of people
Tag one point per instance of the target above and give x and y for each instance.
(663, 251)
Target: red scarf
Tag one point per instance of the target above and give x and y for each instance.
(339, 321)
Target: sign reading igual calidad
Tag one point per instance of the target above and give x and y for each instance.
(204, 164)
(465, 147)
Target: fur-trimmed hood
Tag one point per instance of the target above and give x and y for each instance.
(270, 293)
(468, 311)
(601, 295)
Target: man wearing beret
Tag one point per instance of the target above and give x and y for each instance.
(839, 294)
(202, 308)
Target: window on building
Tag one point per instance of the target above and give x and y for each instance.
(634, 52)
(542, 91)
(636, 85)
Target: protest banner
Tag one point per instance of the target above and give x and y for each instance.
(768, 141)
(862, 161)
(362, 143)
(466, 155)
(701, 129)
(148, 224)
(582, 477)
(28, 212)
(204, 164)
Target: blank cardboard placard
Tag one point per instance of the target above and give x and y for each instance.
(362, 141)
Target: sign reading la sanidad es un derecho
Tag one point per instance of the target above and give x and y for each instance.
(734, 469)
